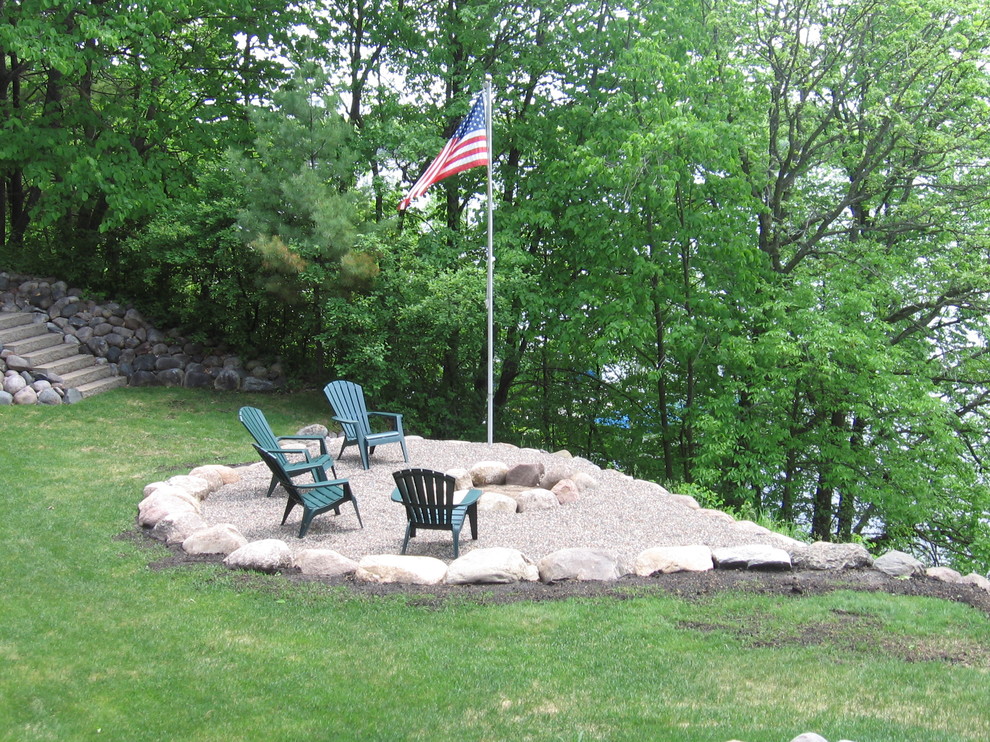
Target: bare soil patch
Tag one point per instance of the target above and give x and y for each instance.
(685, 585)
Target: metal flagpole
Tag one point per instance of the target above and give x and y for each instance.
(490, 300)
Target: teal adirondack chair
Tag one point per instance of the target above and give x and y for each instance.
(428, 497)
(315, 497)
(347, 401)
(257, 425)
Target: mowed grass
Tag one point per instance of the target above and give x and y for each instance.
(95, 645)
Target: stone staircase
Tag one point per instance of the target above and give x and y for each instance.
(26, 334)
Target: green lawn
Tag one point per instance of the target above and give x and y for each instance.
(95, 645)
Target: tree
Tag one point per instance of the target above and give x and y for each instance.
(304, 215)
(105, 110)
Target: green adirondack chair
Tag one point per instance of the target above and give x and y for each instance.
(257, 425)
(347, 401)
(315, 497)
(428, 497)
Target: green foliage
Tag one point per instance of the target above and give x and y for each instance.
(105, 111)
(739, 246)
(302, 216)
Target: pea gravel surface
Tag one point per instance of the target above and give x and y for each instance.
(617, 513)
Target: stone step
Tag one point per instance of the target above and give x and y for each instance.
(63, 366)
(83, 376)
(14, 319)
(24, 330)
(47, 356)
(102, 385)
(36, 342)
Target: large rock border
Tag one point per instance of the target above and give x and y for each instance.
(170, 512)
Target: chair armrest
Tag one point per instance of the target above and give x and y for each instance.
(346, 483)
(345, 420)
(396, 496)
(295, 466)
(470, 498)
(396, 419)
(397, 415)
(318, 438)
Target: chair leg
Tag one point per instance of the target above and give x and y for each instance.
(473, 520)
(364, 455)
(357, 512)
(272, 486)
(405, 543)
(307, 519)
(288, 509)
(405, 453)
(457, 533)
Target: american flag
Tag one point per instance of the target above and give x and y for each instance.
(468, 148)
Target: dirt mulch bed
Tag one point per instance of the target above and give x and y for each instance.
(685, 585)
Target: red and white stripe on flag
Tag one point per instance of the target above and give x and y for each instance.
(468, 148)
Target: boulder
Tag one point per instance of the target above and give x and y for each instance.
(27, 395)
(536, 499)
(144, 378)
(978, 580)
(266, 555)
(162, 504)
(581, 564)
(524, 475)
(809, 737)
(49, 396)
(6, 398)
(944, 574)
(254, 384)
(228, 380)
(177, 528)
(72, 396)
(164, 489)
(497, 502)
(195, 486)
(491, 565)
(16, 363)
(667, 559)
(584, 481)
(197, 380)
(898, 564)
(210, 475)
(223, 538)
(13, 383)
(390, 568)
(172, 377)
(822, 555)
(462, 480)
(227, 474)
(752, 556)
(326, 562)
(488, 472)
(687, 501)
(566, 491)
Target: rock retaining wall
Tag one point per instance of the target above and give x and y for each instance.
(118, 335)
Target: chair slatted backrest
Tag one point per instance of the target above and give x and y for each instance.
(257, 425)
(347, 400)
(428, 495)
